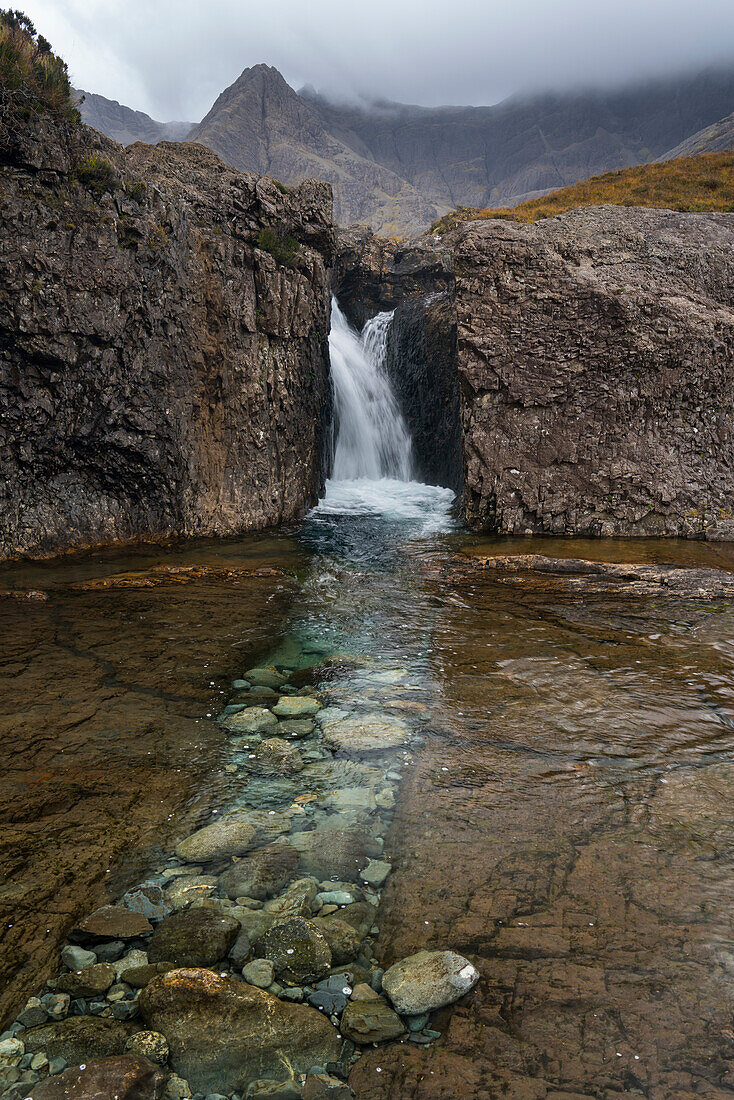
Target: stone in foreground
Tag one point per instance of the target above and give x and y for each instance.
(357, 736)
(296, 706)
(122, 1078)
(224, 1034)
(216, 841)
(428, 980)
(80, 1038)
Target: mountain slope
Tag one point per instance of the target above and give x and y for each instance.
(399, 167)
(125, 125)
(712, 139)
(260, 124)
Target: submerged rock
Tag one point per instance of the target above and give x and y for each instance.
(151, 1045)
(263, 873)
(112, 922)
(228, 837)
(296, 706)
(365, 734)
(428, 980)
(298, 950)
(224, 1034)
(335, 853)
(297, 901)
(265, 677)
(87, 982)
(343, 939)
(126, 1077)
(371, 1021)
(276, 757)
(196, 937)
(250, 721)
(80, 1038)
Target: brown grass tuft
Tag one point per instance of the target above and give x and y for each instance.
(692, 184)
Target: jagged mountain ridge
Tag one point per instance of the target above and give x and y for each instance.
(125, 125)
(399, 167)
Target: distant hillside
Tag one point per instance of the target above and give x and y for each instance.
(399, 167)
(125, 125)
(691, 184)
(713, 139)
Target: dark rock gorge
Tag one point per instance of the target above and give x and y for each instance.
(164, 355)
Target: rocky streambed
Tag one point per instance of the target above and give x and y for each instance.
(464, 831)
(244, 965)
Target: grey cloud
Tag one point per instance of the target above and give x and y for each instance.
(172, 59)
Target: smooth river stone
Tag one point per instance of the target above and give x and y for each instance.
(223, 1033)
(250, 721)
(365, 733)
(298, 950)
(112, 922)
(296, 706)
(371, 1021)
(276, 757)
(196, 937)
(261, 874)
(216, 841)
(428, 980)
(126, 1077)
(265, 677)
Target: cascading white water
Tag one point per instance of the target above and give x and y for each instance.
(372, 440)
(373, 466)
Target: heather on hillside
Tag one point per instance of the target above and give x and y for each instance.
(695, 185)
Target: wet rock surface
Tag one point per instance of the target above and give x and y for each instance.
(588, 345)
(225, 1034)
(125, 1078)
(154, 302)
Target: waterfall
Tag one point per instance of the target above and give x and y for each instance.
(372, 441)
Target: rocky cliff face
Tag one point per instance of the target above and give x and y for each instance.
(160, 372)
(596, 363)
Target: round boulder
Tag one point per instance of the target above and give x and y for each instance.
(297, 949)
(217, 841)
(428, 980)
(195, 937)
(261, 874)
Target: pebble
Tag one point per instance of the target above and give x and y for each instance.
(149, 1044)
(76, 958)
(335, 897)
(241, 685)
(56, 1065)
(33, 1014)
(376, 872)
(11, 1052)
(259, 972)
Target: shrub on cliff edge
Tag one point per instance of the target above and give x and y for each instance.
(32, 78)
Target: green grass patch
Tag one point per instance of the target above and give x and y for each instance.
(279, 243)
(96, 174)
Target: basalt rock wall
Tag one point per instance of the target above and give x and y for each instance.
(163, 342)
(596, 364)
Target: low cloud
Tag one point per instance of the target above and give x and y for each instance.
(172, 59)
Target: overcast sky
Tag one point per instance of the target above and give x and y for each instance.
(171, 58)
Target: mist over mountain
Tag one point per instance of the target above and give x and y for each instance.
(398, 167)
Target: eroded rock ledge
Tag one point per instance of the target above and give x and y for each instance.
(596, 363)
(163, 365)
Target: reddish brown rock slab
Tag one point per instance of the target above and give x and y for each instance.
(124, 1078)
(223, 1034)
(80, 1038)
(112, 922)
